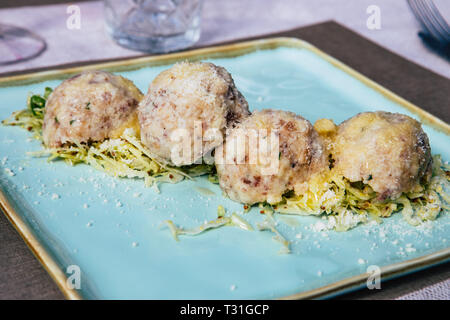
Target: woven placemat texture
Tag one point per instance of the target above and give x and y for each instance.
(438, 291)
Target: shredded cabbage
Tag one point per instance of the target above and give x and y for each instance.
(336, 197)
(221, 221)
(270, 225)
(31, 118)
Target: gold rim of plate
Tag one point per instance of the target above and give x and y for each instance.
(225, 51)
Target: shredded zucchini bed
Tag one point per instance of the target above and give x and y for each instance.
(124, 157)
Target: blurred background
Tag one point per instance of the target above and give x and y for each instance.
(221, 21)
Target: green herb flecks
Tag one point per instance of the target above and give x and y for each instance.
(31, 118)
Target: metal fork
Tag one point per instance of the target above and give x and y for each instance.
(431, 19)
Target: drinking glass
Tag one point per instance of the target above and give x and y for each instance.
(18, 44)
(155, 26)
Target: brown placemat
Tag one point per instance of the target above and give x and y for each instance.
(22, 277)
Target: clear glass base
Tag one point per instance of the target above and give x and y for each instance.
(18, 44)
(156, 26)
(156, 44)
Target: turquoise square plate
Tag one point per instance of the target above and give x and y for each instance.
(110, 229)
